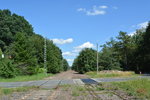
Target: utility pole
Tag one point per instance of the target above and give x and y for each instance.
(45, 55)
(97, 58)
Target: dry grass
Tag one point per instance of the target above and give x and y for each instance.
(112, 73)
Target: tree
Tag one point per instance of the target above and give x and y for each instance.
(108, 58)
(10, 25)
(7, 68)
(86, 61)
(1, 53)
(123, 47)
(54, 58)
(145, 50)
(65, 65)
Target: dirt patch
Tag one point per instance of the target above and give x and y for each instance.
(68, 75)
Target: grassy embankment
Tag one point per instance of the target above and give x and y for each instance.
(103, 74)
(26, 78)
(7, 91)
(139, 88)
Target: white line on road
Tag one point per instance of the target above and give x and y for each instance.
(78, 81)
(96, 80)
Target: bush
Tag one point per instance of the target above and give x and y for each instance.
(7, 69)
(40, 70)
(0, 53)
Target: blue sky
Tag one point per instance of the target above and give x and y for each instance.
(76, 24)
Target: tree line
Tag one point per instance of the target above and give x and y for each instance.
(23, 48)
(124, 52)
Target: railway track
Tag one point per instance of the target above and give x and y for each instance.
(38, 94)
(91, 91)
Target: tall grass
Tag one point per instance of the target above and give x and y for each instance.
(6, 91)
(26, 78)
(139, 88)
(113, 73)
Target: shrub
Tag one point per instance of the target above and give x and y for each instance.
(40, 70)
(7, 68)
(0, 53)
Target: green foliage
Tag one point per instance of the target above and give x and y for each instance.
(7, 69)
(65, 65)
(21, 44)
(6, 91)
(1, 53)
(40, 70)
(22, 78)
(86, 61)
(139, 88)
(54, 56)
(11, 24)
(108, 57)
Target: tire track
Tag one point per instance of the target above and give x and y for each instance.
(35, 93)
(90, 89)
(55, 92)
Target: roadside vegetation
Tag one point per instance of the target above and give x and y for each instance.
(22, 50)
(7, 91)
(139, 88)
(38, 76)
(112, 73)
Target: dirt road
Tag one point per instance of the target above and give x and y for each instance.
(68, 75)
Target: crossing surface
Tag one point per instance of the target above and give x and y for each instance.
(54, 83)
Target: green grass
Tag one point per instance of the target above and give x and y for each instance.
(6, 91)
(138, 88)
(103, 74)
(74, 90)
(26, 78)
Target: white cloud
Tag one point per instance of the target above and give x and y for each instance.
(68, 53)
(69, 60)
(62, 41)
(143, 25)
(84, 45)
(103, 7)
(132, 33)
(81, 9)
(96, 10)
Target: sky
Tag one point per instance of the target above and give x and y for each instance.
(77, 24)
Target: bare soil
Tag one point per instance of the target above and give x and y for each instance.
(68, 75)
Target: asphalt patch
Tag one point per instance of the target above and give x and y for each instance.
(89, 81)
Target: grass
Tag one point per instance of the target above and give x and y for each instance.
(26, 78)
(113, 73)
(74, 90)
(139, 88)
(6, 91)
